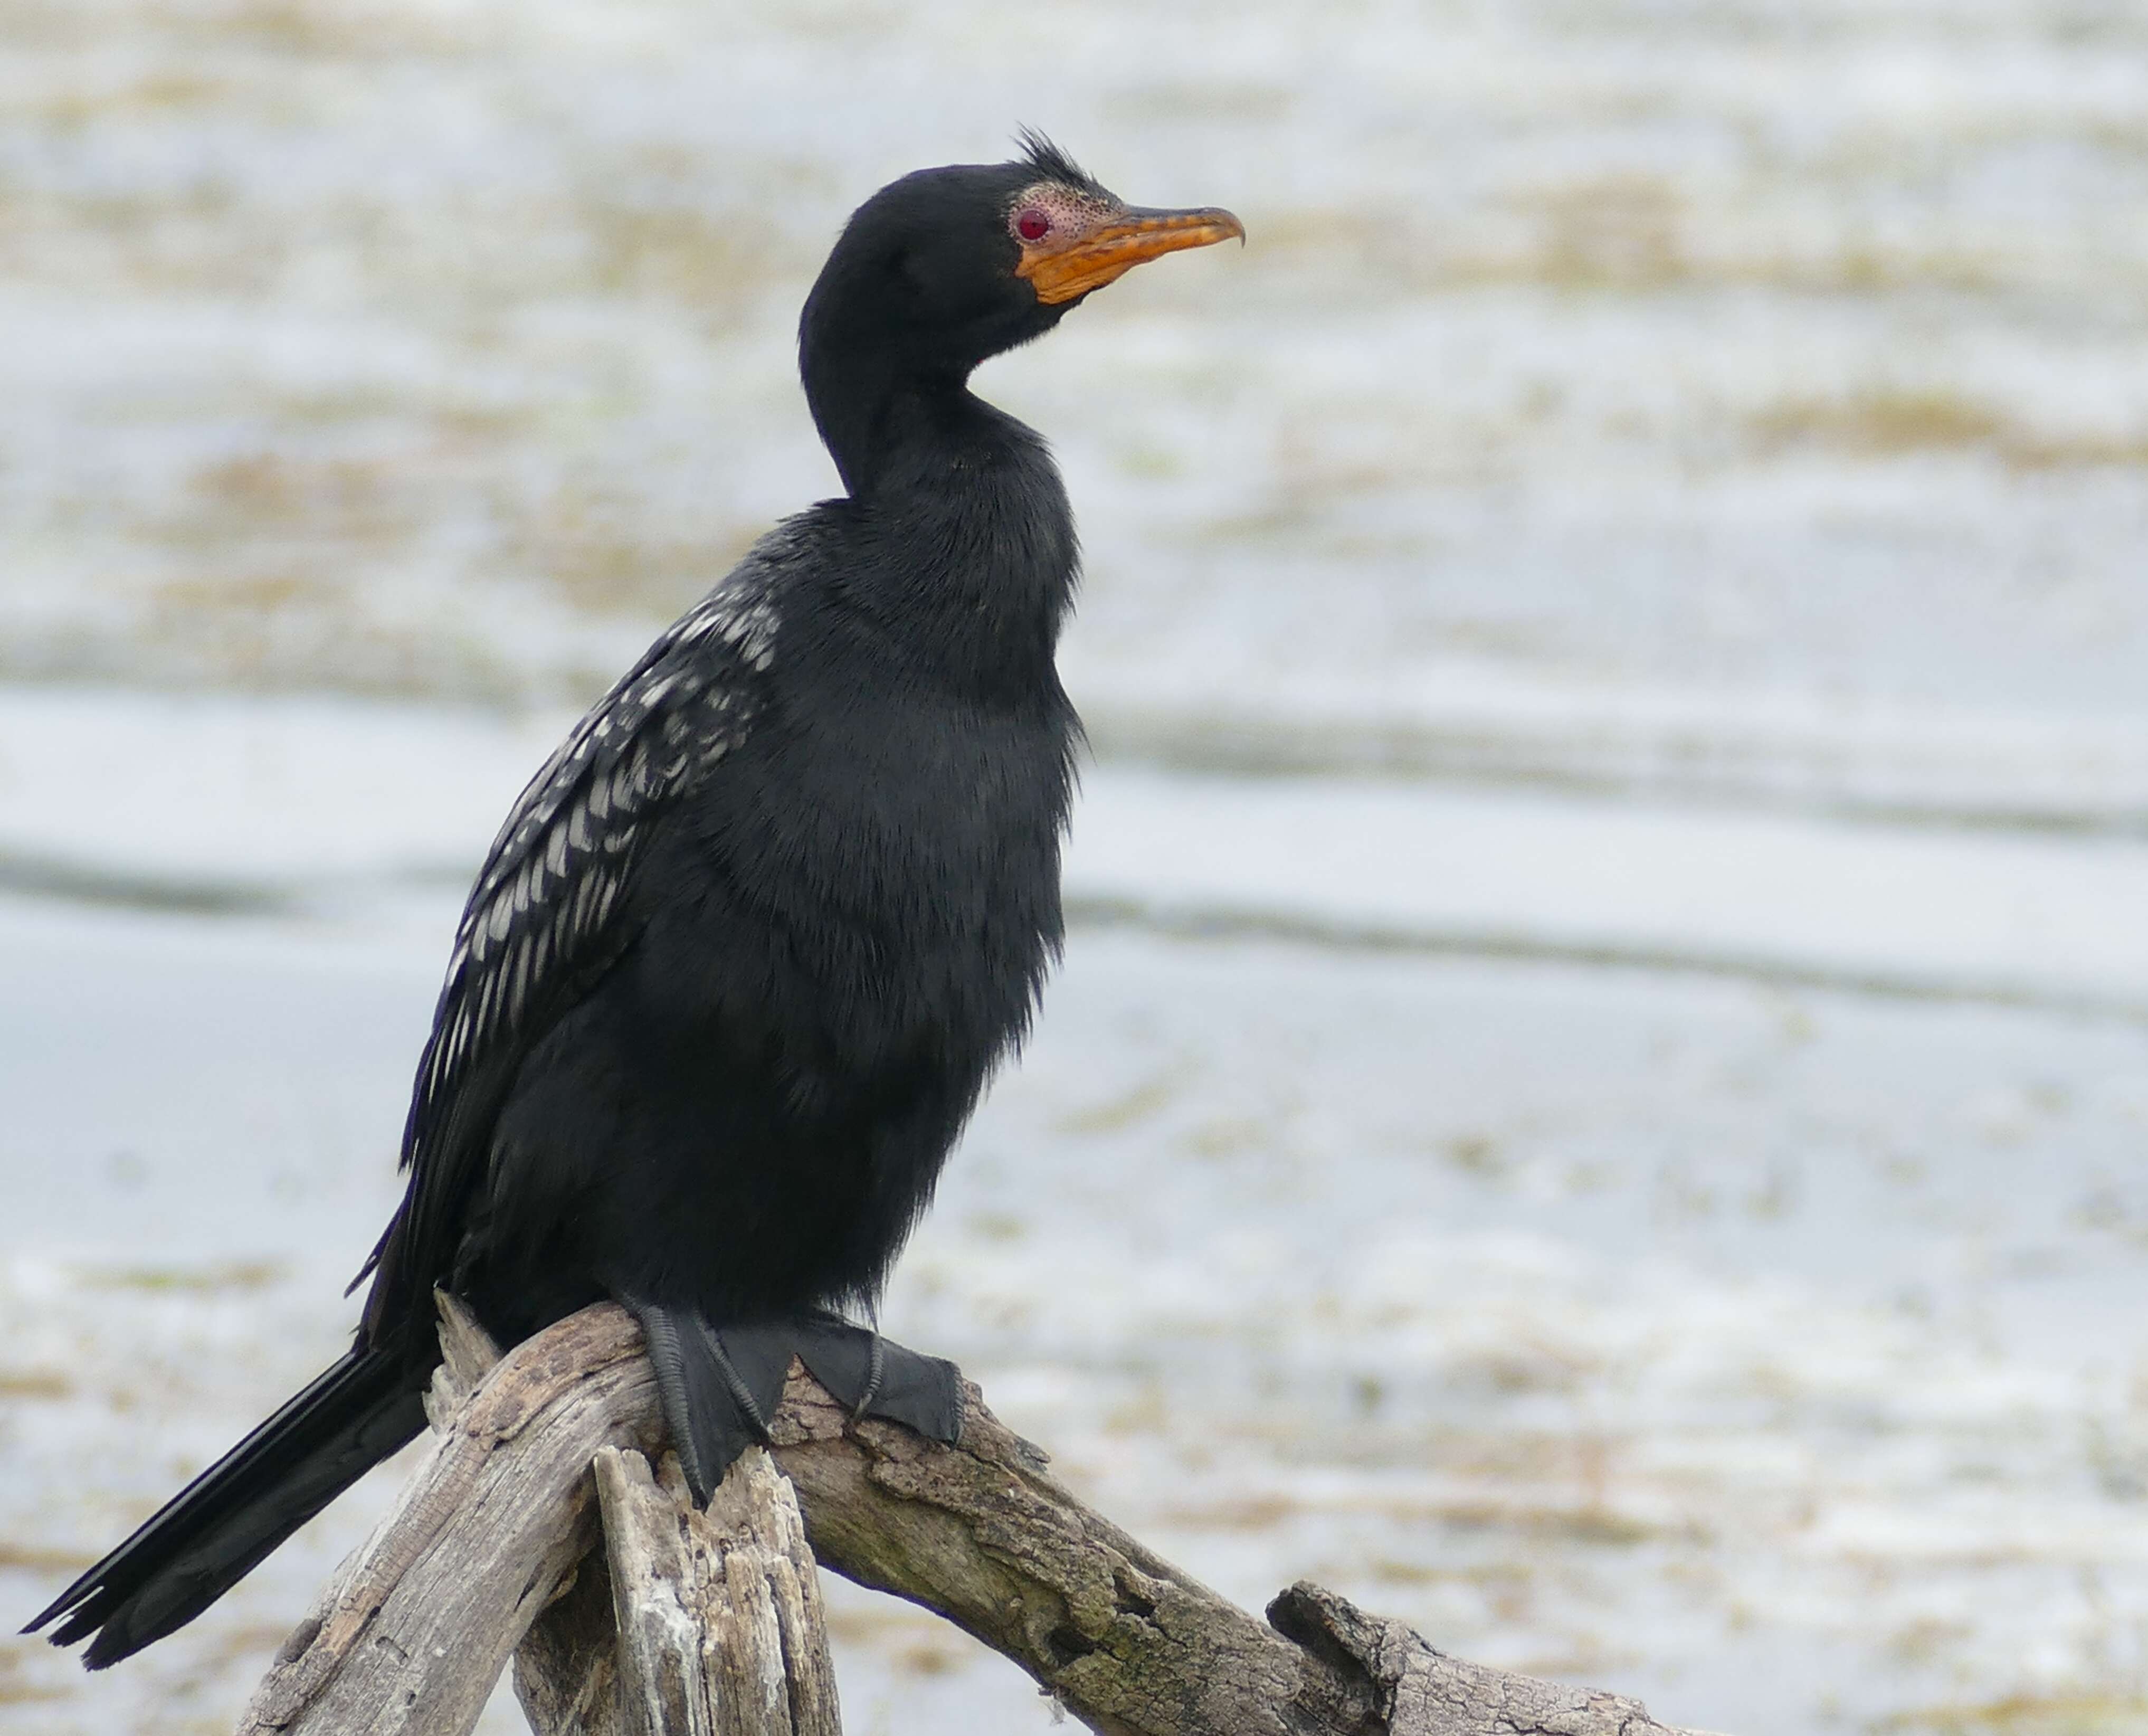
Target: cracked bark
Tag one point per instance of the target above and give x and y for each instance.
(495, 1547)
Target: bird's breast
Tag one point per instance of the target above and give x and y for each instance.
(883, 881)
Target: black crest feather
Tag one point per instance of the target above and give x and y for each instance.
(1051, 163)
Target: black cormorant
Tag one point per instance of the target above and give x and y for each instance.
(740, 962)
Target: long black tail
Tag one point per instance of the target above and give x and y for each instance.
(214, 1532)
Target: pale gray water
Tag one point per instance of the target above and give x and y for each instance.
(1704, 446)
(1743, 397)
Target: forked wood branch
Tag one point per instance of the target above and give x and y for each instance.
(495, 1546)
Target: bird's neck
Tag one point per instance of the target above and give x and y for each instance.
(973, 547)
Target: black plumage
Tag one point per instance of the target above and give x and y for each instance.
(746, 951)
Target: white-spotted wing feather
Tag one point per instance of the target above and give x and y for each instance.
(545, 917)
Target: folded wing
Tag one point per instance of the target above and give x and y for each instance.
(552, 908)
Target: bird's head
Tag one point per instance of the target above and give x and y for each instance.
(940, 270)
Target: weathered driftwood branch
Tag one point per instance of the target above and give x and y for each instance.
(718, 1612)
(415, 1628)
(495, 1545)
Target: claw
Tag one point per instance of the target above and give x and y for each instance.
(874, 1372)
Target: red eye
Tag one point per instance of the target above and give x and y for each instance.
(1032, 225)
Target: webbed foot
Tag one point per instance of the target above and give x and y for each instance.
(718, 1386)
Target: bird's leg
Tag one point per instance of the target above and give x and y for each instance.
(715, 1403)
(718, 1386)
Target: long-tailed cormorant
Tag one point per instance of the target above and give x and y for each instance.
(738, 963)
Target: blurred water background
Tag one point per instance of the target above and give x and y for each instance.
(1597, 1098)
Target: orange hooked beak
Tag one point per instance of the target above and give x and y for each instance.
(1065, 265)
